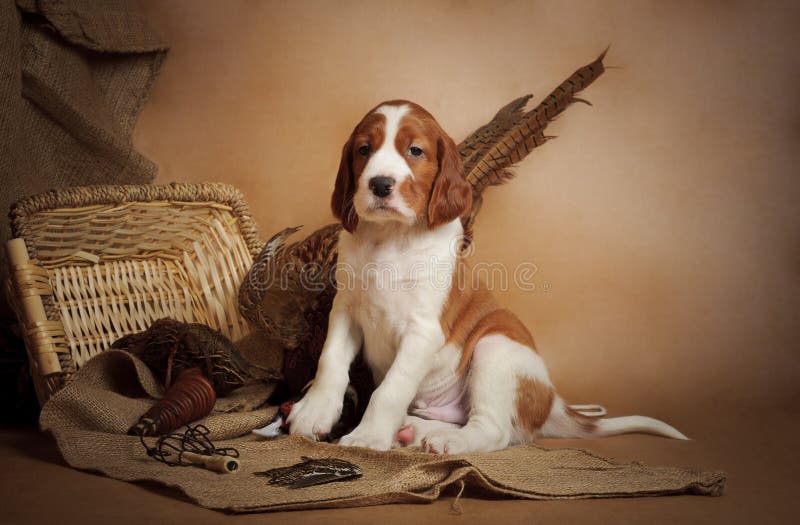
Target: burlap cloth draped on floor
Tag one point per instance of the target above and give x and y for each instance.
(89, 417)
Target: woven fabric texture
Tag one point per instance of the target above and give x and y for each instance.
(75, 74)
(90, 415)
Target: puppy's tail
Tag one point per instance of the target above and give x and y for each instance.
(586, 421)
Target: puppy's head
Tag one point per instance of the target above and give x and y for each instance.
(400, 166)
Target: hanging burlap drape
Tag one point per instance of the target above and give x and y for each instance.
(75, 76)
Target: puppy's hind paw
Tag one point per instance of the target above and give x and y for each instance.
(445, 441)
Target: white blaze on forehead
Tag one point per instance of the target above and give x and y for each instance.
(387, 161)
(393, 114)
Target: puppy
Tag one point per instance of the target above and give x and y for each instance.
(455, 371)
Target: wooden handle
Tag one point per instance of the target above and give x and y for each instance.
(43, 354)
(217, 463)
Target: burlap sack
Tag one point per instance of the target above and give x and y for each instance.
(75, 75)
(90, 415)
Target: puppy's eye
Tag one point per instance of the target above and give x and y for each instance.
(415, 151)
(364, 150)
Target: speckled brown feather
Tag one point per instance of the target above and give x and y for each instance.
(169, 347)
(287, 281)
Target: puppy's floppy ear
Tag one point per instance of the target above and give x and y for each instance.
(451, 195)
(343, 191)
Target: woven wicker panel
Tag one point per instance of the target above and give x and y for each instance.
(107, 261)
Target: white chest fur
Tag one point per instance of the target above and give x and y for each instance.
(394, 283)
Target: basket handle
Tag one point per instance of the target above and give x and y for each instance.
(29, 283)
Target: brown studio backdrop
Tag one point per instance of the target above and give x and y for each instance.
(663, 221)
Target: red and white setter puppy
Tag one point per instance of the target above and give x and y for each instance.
(455, 371)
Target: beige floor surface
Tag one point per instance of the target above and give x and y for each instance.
(757, 450)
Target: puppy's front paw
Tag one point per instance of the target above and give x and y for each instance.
(367, 437)
(315, 414)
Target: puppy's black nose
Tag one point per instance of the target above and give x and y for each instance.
(381, 186)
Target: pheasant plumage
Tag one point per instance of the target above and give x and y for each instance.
(491, 150)
(169, 347)
(276, 297)
(286, 284)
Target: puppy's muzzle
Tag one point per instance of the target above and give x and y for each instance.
(381, 186)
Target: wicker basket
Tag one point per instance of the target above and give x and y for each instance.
(91, 264)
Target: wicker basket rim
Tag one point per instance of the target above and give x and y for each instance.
(82, 196)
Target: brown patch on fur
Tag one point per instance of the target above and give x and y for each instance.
(415, 195)
(502, 322)
(438, 192)
(370, 131)
(533, 403)
(418, 128)
(451, 196)
(471, 312)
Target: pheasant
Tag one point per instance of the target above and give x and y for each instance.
(169, 348)
(288, 292)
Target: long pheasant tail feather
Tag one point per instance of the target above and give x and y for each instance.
(474, 147)
(561, 97)
(489, 165)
